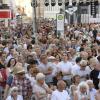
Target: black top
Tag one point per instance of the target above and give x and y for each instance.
(94, 76)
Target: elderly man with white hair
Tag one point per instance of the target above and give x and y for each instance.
(92, 90)
(60, 93)
(41, 89)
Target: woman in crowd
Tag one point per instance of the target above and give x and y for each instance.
(11, 64)
(76, 80)
(82, 92)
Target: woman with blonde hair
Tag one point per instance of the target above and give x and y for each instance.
(82, 92)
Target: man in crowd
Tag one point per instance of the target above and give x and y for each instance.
(60, 93)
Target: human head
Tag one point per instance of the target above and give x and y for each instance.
(65, 56)
(43, 58)
(14, 91)
(78, 59)
(40, 78)
(19, 71)
(61, 85)
(93, 62)
(83, 87)
(76, 79)
(33, 70)
(90, 84)
(84, 55)
(29, 47)
(89, 51)
(83, 63)
(11, 62)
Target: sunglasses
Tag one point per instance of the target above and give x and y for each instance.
(15, 90)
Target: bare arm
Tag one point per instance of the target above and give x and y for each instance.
(6, 91)
(97, 97)
(48, 90)
(40, 95)
(75, 96)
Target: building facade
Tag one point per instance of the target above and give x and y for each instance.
(81, 15)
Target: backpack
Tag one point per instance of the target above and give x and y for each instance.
(4, 77)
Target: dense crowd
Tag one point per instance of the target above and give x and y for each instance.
(48, 66)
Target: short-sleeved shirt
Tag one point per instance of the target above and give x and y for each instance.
(24, 86)
(57, 95)
(41, 90)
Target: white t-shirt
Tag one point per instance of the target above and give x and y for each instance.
(19, 97)
(74, 68)
(57, 95)
(43, 67)
(65, 66)
(6, 50)
(8, 58)
(41, 90)
(92, 94)
(82, 73)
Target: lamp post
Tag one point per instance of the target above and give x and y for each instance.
(34, 5)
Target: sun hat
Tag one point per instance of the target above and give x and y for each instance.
(40, 76)
(51, 58)
(18, 69)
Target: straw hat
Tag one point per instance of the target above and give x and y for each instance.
(18, 69)
(51, 58)
(40, 76)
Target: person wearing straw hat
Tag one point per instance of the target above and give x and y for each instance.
(14, 94)
(19, 80)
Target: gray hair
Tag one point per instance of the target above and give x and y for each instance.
(60, 82)
(89, 81)
(12, 89)
(83, 84)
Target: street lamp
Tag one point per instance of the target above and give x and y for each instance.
(60, 2)
(34, 5)
(66, 2)
(46, 3)
(53, 2)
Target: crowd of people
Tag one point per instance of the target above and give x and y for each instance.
(49, 66)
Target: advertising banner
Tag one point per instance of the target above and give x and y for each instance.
(5, 14)
(60, 24)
